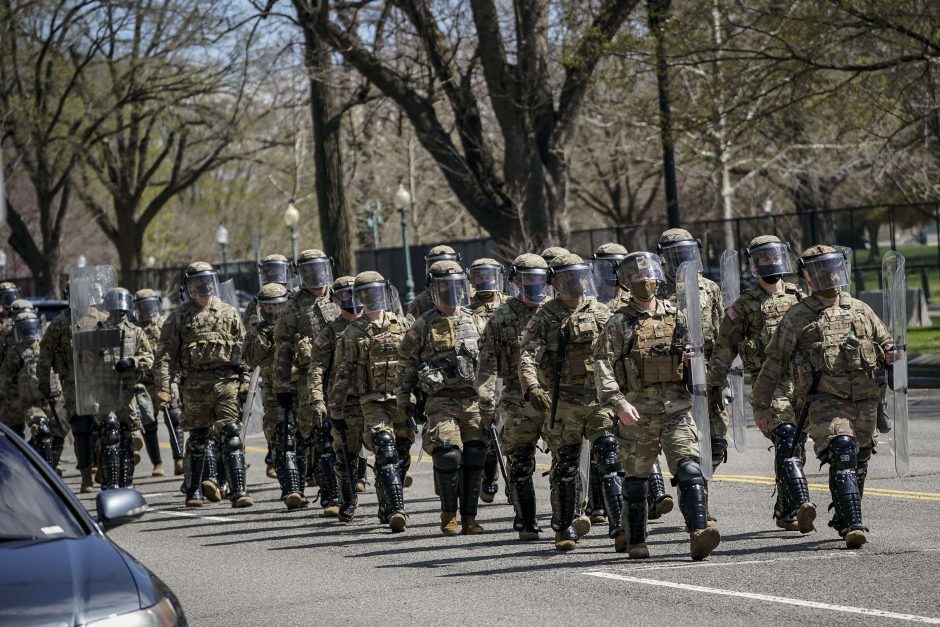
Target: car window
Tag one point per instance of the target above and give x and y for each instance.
(30, 509)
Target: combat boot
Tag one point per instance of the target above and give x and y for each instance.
(177, 467)
(659, 501)
(566, 540)
(582, 525)
(88, 484)
(398, 522)
(469, 526)
(703, 542)
(270, 472)
(635, 515)
(210, 483)
(295, 500)
(157, 470)
(449, 524)
(490, 466)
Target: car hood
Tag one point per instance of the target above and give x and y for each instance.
(64, 582)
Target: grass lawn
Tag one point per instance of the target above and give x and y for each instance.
(914, 255)
(924, 340)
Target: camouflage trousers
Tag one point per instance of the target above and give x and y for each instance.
(781, 407)
(577, 419)
(365, 421)
(665, 425)
(453, 421)
(830, 417)
(304, 416)
(272, 412)
(522, 423)
(144, 405)
(209, 401)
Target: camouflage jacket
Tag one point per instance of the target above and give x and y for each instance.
(301, 321)
(501, 349)
(322, 357)
(840, 346)
(747, 327)
(367, 361)
(259, 351)
(18, 379)
(540, 344)
(485, 310)
(710, 297)
(420, 305)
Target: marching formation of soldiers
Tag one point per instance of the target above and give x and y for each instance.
(611, 361)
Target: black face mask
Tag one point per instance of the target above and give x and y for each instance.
(772, 279)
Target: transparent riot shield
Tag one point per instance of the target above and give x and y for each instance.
(895, 312)
(691, 310)
(730, 291)
(848, 267)
(253, 409)
(228, 294)
(584, 470)
(96, 347)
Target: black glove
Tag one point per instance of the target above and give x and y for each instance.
(125, 364)
(285, 400)
(45, 388)
(339, 424)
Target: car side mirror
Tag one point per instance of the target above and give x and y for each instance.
(119, 506)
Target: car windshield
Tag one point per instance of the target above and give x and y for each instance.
(30, 509)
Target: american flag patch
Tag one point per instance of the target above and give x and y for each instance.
(411, 333)
(731, 313)
(318, 342)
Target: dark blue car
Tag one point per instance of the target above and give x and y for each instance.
(57, 566)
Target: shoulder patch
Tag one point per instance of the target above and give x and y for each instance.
(731, 313)
(411, 334)
(318, 341)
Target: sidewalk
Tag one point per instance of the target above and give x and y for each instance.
(923, 371)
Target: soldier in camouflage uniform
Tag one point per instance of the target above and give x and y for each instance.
(639, 376)
(676, 246)
(551, 252)
(307, 312)
(272, 269)
(833, 345)
(556, 347)
(362, 402)
(439, 355)
(56, 357)
(423, 301)
(202, 341)
(486, 279)
(119, 423)
(21, 404)
(746, 330)
(9, 292)
(499, 358)
(322, 365)
(7, 333)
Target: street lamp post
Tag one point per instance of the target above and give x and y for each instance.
(374, 221)
(3, 261)
(291, 218)
(221, 238)
(403, 202)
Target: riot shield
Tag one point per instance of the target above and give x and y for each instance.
(228, 294)
(96, 347)
(253, 409)
(730, 291)
(691, 309)
(895, 312)
(848, 267)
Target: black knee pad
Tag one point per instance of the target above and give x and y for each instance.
(151, 428)
(522, 462)
(689, 473)
(604, 451)
(566, 464)
(82, 425)
(385, 451)
(842, 452)
(446, 458)
(110, 431)
(635, 488)
(231, 436)
(474, 454)
(175, 413)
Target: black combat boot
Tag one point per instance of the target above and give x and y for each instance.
(635, 513)
(235, 465)
(110, 439)
(659, 502)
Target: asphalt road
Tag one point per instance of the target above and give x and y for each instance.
(267, 566)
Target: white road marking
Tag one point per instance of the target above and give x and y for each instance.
(848, 609)
(166, 512)
(817, 555)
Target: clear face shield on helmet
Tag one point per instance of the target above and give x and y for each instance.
(148, 309)
(7, 296)
(273, 272)
(826, 271)
(486, 278)
(606, 277)
(575, 281)
(770, 259)
(533, 285)
(315, 273)
(675, 254)
(640, 268)
(373, 297)
(430, 260)
(203, 286)
(270, 310)
(346, 300)
(27, 330)
(450, 291)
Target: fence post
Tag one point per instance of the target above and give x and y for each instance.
(925, 284)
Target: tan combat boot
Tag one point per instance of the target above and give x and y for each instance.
(331, 511)
(704, 541)
(157, 470)
(211, 491)
(620, 542)
(563, 543)
(398, 522)
(408, 481)
(638, 552)
(663, 507)
(88, 486)
(295, 500)
(270, 473)
(805, 517)
(449, 523)
(581, 525)
(469, 526)
(243, 501)
(855, 538)
(177, 467)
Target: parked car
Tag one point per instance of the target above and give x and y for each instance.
(57, 566)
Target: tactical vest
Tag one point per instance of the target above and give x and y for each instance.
(578, 368)
(451, 353)
(838, 345)
(376, 357)
(27, 382)
(764, 320)
(650, 358)
(310, 321)
(205, 337)
(507, 332)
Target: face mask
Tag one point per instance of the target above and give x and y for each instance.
(773, 279)
(830, 293)
(485, 295)
(643, 291)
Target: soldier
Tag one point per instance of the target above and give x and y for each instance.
(833, 345)
(557, 363)
(439, 355)
(7, 332)
(639, 375)
(21, 402)
(306, 313)
(118, 364)
(322, 364)
(486, 278)
(746, 330)
(259, 353)
(272, 269)
(676, 246)
(499, 357)
(202, 341)
(362, 403)
(56, 356)
(551, 252)
(423, 301)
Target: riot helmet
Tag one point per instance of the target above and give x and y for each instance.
(273, 269)
(9, 292)
(769, 258)
(448, 284)
(315, 269)
(677, 246)
(529, 274)
(825, 269)
(271, 302)
(441, 252)
(372, 292)
(606, 259)
(27, 327)
(486, 277)
(202, 281)
(572, 278)
(147, 305)
(343, 294)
